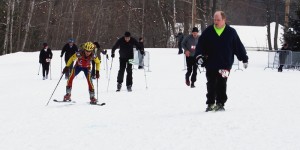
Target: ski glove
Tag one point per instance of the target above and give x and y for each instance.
(112, 55)
(245, 65)
(104, 52)
(199, 60)
(66, 69)
(143, 52)
(97, 74)
(224, 73)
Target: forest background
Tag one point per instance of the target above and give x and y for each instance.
(26, 24)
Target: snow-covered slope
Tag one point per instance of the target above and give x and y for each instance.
(261, 112)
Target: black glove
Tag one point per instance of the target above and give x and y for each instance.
(97, 74)
(40, 61)
(61, 55)
(112, 55)
(143, 52)
(104, 52)
(66, 69)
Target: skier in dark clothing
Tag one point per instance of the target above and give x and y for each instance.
(45, 59)
(69, 50)
(189, 46)
(125, 44)
(282, 56)
(179, 37)
(141, 56)
(215, 50)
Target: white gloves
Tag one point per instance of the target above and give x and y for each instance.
(224, 73)
(199, 59)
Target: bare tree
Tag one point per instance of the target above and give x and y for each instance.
(7, 27)
(30, 13)
(48, 19)
(276, 25)
(268, 13)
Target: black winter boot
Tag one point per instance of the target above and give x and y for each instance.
(119, 86)
(193, 85)
(210, 107)
(219, 107)
(129, 88)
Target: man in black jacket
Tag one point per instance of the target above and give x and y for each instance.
(215, 50)
(70, 49)
(126, 44)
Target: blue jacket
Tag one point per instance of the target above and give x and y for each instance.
(218, 50)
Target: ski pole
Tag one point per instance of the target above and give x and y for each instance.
(106, 66)
(39, 69)
(198, 68)
(97, 89)
(145, 73)
(50, 71)
(60, 64)
(54, 90)
(112, 59)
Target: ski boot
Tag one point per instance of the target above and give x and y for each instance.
(93, 101)
(129, 88)
(119, 86)
(193, 85)
(67, 97)
(187, 82)
(219, 107)
(210, 107)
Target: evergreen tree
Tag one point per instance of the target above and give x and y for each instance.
(292, 34)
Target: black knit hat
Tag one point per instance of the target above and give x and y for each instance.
(97, 44)
(195, 29)
(45, 44)
(127, 34)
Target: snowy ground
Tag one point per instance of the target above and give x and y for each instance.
(261, 112)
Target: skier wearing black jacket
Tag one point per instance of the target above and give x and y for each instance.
(69, 50)
(45, 59)
(126, 44)
(215, 50)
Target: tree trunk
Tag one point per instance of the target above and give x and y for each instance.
(186, 24)
(74, 5)
(268, 25)
(286, 16)
(129, 15)
(20, 20)
(143, 19)
(193, 13)
(30, 13)
(164, 21)
(276, 26)
(48, 21)
(5, 44)
(214, 8)
(11, 26)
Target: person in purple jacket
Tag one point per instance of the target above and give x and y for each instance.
(215, 51)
